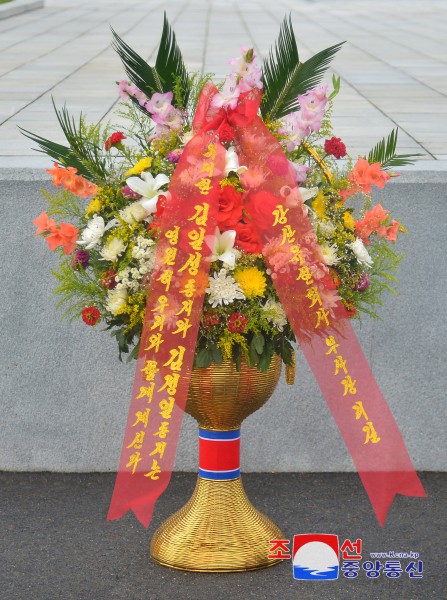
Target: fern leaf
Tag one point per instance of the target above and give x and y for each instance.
(285, 77)
(384, 152)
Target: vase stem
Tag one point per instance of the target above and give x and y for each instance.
(219, 454)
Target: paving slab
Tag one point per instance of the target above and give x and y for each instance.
(56, 542)
(392, 66)
(10, 9)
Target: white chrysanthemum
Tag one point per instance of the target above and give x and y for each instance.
(134, 213)
(116, 299)
(274, 313)
(329, 254)
(361, 253)
(223, 289)
(113, 249)
(95, 229)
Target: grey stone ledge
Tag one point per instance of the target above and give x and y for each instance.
(436, 174)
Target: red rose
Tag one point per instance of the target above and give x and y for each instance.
(237, 323)
(90, 315)
(230, 208)
(247, 238)
(115, 139)
(335, 147)
(226, 133)
(260, 207)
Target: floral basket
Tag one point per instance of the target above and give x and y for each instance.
(222, 224)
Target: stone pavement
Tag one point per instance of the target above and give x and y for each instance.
(57, 545)
(393, 65)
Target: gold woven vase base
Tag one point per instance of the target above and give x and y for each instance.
(218, 530)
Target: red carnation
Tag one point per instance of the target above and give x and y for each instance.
(114, 140)
(211, 318)
(230, 208)
(226, 133)
(108, 279)
(237, 323)
(90, 315)
(335, 147)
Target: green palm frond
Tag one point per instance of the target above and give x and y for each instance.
(82, 153)
(169, 73)
(171, 68)
(62, 154)
(285, 77)
(88, 152)
(139, 72)
(384, 152)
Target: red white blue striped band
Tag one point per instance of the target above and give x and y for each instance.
(219, 454)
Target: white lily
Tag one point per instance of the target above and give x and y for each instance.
(95, 229)
(221, 246)
(148, 187)
(232, 162)
(308, 193)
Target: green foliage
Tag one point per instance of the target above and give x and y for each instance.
(84, 152)
(208, 355)
(384, 152)
(63, 205)
(386, 262)
(335, 87)
(285, 76)
(139, 126)
(168, 74)
(77, 289)
(125, 340)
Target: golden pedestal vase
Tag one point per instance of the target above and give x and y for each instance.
(219, 530)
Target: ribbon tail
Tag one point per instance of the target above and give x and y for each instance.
(319, 320)
(383, 486)
(171, 323)
(142, 513)
(128, 496)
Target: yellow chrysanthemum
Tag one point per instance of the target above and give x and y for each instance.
(94, 207)
(319, 204)
(142, 165)
(251, 281)
(348, 221)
